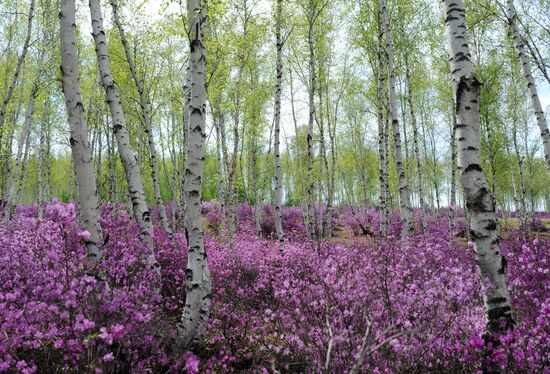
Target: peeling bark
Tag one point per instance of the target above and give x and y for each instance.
(80, 146)
(479, 203)
(129, 159)
(277, 121)
(146, 114)
(407, 223)
(191, 328)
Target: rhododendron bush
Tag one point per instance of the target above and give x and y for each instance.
(299, 307)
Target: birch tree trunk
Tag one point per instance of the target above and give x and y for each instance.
(416, 148)
(382, 141)
(192, 326)
(253, 165)
(18, 66)
(129, 160)
(277, 122)
(80, 146)
(483, 226)
(310, 195)
(221, 182)
(232, 198)
(453, 207)
(404, 199)
(523, 192)
(25, 132)
(40, 162)
(6, 166)
(527, 74)
(111, 160)
(297, 141)
(146, 114)
(21, 179)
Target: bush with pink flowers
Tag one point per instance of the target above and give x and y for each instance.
(297, 307)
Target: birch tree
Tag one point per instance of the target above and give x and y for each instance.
(479, 203)
(146, 114)
(528, 76)
(15, 78)
(129, 160)
(19, 161)
(80, 146)
(191, 328)
(382, 140)
(277, 120)
(404, 200)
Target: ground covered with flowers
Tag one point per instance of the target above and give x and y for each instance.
(299, 307)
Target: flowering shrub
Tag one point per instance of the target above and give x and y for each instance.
(295, 307)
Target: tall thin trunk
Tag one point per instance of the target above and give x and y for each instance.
(382, 138)
(129, 160)
(146, 114)
(49, 183)
(80, 146)
(323, 153)
(519, 157)
(6, 166)
(404, 199)
(218, 118)
(434, 168)
(25, 133)
(254, 167)
(227, 167)
(111, 166)
(526, 68)
(484, 225)
(40, 162)
(300, 185)
(232, 198)
(332, 172)
(416, 148)
(310, 196)
(99, 156)
(277, 122)
(20, 60)
(191, 328)
(21, 179)
(387, 148)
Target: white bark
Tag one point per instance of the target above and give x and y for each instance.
(310, 195)
(25, 132)
(18, 66)
(192, 326)
(277, 122)
(416, 148)
(129, 160)
(404, 199)
(453, 207)
(146, 113)
(382, 137)
(218, 118)
(21, 179)
(523, 191)
(480, 205)
(80, 146)
(527, 74)
(40, 163)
